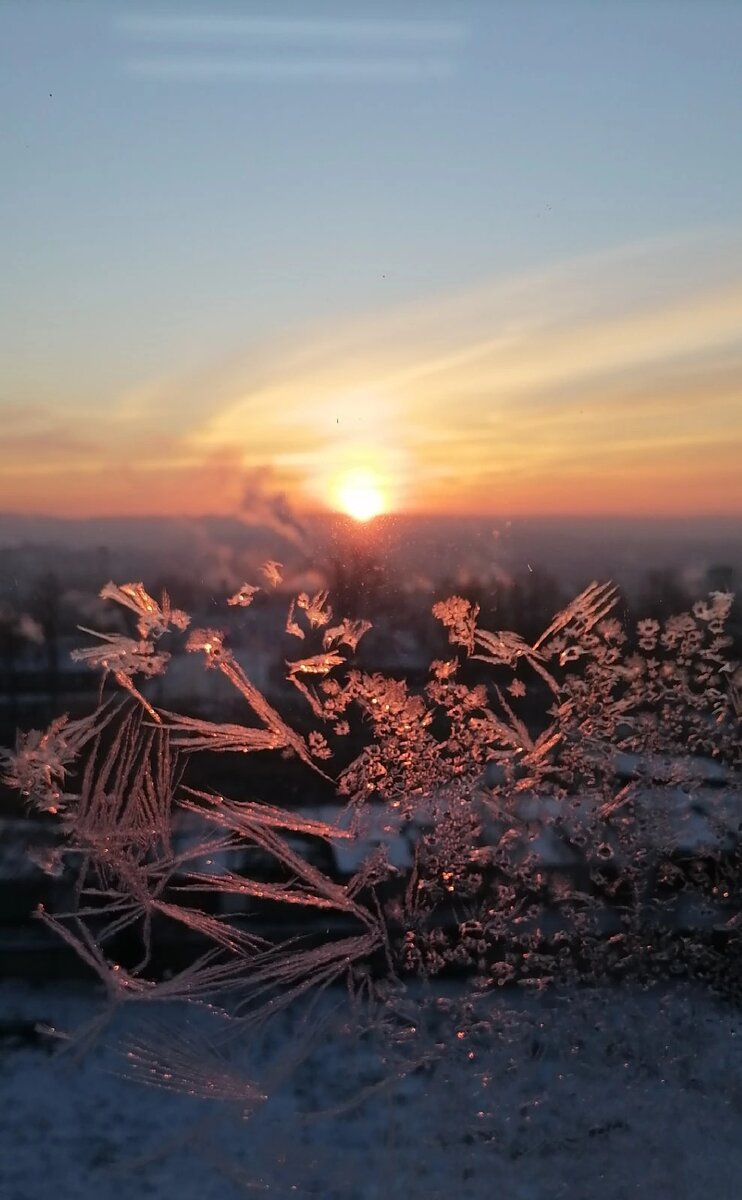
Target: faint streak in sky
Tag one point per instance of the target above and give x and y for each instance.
(352, 49)
(145, 26)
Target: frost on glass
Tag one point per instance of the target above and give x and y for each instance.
(535, 820)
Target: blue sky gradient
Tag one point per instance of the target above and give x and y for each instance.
(195, 193)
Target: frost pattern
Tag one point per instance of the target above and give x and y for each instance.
(536, 815)
(243, 596)
(272, 571)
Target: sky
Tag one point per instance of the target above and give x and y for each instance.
(469, 258)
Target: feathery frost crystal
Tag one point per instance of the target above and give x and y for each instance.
(536, 816)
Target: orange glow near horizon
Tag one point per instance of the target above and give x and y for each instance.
(501, 399)
(689, 484)
(359, 494)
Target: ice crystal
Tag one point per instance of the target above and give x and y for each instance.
(154, 619)
(318, 611)
(124, 657)
(38, 766)
(316, 664)
(537, 815)
(347, 633)
(272, 571)
(292, 625)
(211, 642)
(243, 596)
(459, 617)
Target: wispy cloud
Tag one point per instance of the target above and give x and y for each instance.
(608, 384)
(264, 48)
(546, 382)
(34, 439)
(346, 30)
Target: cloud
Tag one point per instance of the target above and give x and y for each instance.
(611, 383)
(51, 443)
(186, 487)
(33, 438)
(638, 352)
(22, 416)
(289, 29)
(353, 49)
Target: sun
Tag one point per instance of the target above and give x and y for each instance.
(359, 493)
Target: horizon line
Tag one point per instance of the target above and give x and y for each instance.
(331, 514)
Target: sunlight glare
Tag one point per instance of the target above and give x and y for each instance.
(358, 493)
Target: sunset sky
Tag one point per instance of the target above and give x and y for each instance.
(488, 255)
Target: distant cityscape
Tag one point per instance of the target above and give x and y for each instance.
(420, 551)
(390, 571)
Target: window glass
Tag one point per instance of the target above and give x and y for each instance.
(370, 534)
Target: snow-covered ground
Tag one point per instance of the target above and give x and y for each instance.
(605, 1094)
